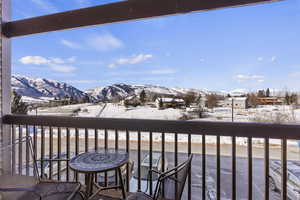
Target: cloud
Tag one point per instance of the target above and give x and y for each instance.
(104, 42)
(260, 59)
(83, 3)
(131, 60)
(71, 59)
(55, 64)
(162, 72)
(149, 72)
(70, 44)
(35, 60)
(273, 59)
(62, 68)
(246, 77)
(45, 5)
(57, 60)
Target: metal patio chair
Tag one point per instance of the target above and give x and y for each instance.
(170, 184)
(20, 178)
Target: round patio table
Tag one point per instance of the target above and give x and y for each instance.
(102, 160)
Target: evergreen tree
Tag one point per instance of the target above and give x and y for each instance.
(287, 98)
(17, 106)
(143, 96)
(161, 104)
(268, 92)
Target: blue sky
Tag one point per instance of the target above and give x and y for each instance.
(247, 47)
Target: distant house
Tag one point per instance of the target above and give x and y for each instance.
(270, 101)
(170, 102)
(238, 102)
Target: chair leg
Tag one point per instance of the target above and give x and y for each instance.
(121, 183)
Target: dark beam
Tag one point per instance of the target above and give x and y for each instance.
(115, 12)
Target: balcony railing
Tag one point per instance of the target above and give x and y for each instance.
(175, 140)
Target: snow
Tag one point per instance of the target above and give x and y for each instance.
(147, 112)
(38, 87)
(140, 112)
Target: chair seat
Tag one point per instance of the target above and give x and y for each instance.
(48, 191)
(16, 181)
(53, 190)
(139, 196)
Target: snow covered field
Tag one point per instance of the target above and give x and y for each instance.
(110, 110)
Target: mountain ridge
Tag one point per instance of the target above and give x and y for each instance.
(42, 87)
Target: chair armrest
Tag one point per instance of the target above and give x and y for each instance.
(56, 159)
(21, 190)
(148, 177)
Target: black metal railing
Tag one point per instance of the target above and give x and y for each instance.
(67, 136)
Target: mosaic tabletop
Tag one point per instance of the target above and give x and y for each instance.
(99, 161)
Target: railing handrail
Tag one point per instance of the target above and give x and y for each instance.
(239, 129)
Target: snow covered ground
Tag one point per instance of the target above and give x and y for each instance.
(268, 113)
(111, 110)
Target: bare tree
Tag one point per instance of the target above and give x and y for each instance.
(252, 100)
(212, 100)
(190, 98)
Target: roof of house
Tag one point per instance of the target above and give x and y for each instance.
(170, 100)
(237, 98)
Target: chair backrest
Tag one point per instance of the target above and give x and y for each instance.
(18, 158)
(171, 183)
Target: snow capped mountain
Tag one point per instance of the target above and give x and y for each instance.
(125, 90)
(38, 87)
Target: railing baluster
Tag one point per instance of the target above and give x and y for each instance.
(233, 195)
(116, 147)
(105, 139)
(150, 161)
(218, 168)
(96, 140)
(105, 147)
(20, 150)
(284, 169)
(96, 148)
(35, 147)
(42, 151)
(190, 169)
(250, 178)
(139, 161)
(86, 139)
(127, 166)
(203, 167)
(176, 162)
(76, 148)
(267, 168)
(163, 160)
(13, 137)
(50, 152)
(68, 154)
(58, 153)
(27, 151)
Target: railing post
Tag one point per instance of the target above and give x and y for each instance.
(5, 82)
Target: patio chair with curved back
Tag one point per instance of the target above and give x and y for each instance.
(170, 184)
(20, 178)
